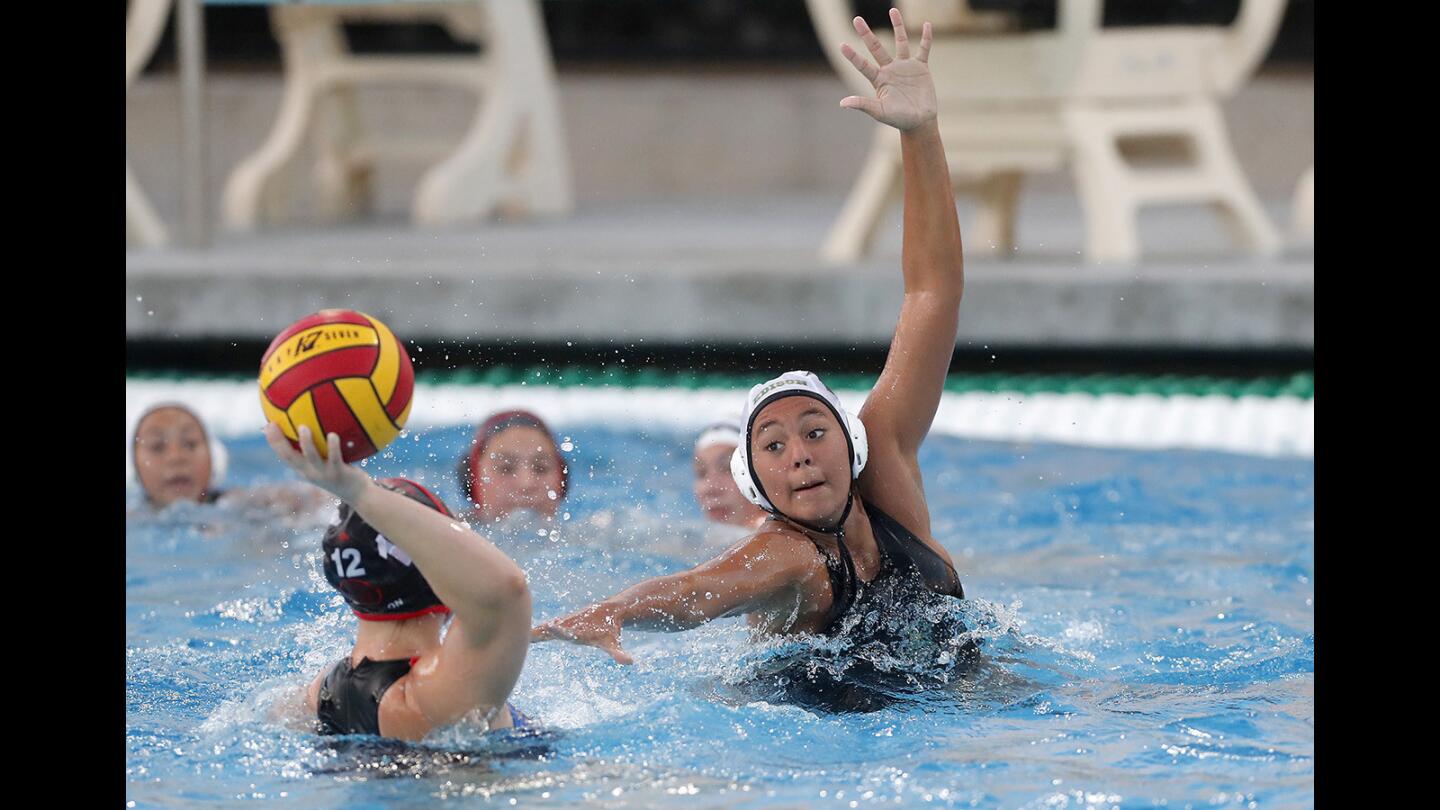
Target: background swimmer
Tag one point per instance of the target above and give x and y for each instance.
(513, 464)
(714, 487)
(174, 458)
(403, 563)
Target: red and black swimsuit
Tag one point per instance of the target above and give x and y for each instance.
(350, 694)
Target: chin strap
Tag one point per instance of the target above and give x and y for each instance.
(838, 531)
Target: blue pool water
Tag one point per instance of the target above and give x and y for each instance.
(1146, 620)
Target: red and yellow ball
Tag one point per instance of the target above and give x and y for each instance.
(338, 371)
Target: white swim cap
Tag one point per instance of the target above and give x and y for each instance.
(219, 459)
(793, 383)
(725, 431)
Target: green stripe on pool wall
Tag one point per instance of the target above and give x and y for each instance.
(1300, 385)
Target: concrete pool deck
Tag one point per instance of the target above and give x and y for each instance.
(727, 270)
(694, 225)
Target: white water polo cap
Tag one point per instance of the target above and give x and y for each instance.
(219, 458)
(726, 431)
(790, 384)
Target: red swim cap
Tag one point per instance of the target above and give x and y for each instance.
(469, 471)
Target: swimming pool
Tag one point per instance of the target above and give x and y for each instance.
(1146, 616)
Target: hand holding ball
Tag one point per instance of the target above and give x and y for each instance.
(338, 371)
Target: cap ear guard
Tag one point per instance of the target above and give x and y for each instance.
(859, 443)
(219, 462)
(740, 471)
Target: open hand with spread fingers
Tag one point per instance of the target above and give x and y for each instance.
(904, 89)
(595, 626)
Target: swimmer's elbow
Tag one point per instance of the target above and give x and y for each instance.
(513, 588)
(502, 591)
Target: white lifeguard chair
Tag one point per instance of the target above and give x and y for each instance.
(143, 26)
(513, 155)
(1014, 102)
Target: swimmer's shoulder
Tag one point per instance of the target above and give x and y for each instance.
(782, 549)
(399, 711)
(795, 571)
(312, 692)
(402, 716)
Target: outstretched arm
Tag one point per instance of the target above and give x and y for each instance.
(903, 402)
(759, 574)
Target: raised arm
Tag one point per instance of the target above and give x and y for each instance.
(482, 655)
(902, 405)
(766, 572)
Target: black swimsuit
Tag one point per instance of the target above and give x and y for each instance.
(350, 695)
(900, 631)
(902, 554)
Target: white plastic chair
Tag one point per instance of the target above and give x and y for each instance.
(1013, 103)
(513, 154)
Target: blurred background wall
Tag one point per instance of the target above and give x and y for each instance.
(661, 99)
